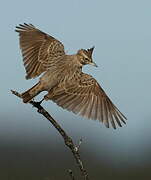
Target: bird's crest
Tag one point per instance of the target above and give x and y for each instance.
(90, 51)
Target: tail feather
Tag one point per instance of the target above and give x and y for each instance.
(31, 93)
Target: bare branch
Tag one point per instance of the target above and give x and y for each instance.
(67, 139)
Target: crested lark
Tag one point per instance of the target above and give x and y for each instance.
(63, 78)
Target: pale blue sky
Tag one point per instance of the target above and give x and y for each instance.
(121, 33)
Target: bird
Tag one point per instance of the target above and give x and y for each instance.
(62, 77)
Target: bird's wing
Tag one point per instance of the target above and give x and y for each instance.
(40, 51)
(85, 97)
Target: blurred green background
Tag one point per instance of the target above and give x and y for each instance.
(30, 148)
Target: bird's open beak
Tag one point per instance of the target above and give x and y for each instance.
(93, 64)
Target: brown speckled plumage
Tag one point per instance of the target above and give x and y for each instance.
(63, 78)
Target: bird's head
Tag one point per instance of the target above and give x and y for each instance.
(85, 57)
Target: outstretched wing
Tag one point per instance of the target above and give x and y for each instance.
(87, 98)
(39, 50)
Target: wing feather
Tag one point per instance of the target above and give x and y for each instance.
(96, 108)
(111, 115)
(86, 98)
(39, 50)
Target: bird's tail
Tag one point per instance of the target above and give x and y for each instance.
(31, 93)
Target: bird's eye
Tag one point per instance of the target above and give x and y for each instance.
(86, 59)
